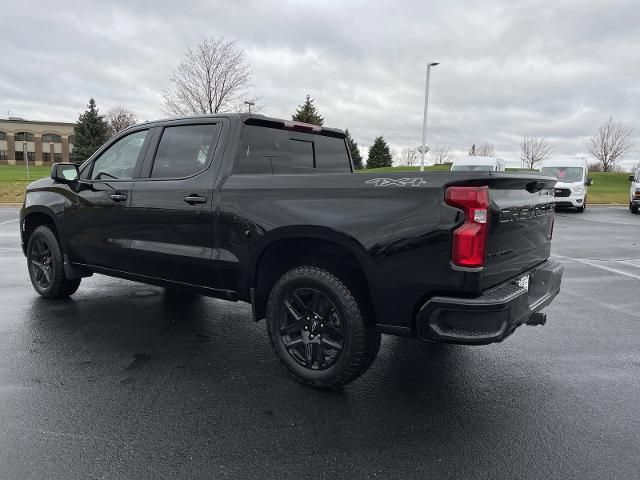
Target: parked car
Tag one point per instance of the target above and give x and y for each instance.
(476, 163)
(267, 211)
(573, 180)
(634, 192)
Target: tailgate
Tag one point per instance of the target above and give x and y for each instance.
(520, 226)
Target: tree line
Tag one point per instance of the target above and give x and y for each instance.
(215, 77)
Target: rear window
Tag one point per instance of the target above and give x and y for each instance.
(271, 150)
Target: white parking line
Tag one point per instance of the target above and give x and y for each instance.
(606, 268)
(6, 222)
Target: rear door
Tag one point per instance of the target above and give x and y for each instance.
(520, 226)
(173, 205)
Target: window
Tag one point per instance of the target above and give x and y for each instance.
(57, 157)
(271, 150)
(24, 137)
(20, 156)
(46, 156)
(300, 154)
(3, 136)
(72, 139)
(183, 151)
(51, 137)
(4, 155)
(119, 161)
(565, 174)
(331, 154)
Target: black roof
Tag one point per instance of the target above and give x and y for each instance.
(262, 120)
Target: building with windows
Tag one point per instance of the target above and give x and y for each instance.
(43, 142)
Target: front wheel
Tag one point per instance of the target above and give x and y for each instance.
(46, 265)
(317, 328)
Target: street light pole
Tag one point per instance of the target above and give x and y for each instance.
(247, 102)
(26, 159)
(423, 150)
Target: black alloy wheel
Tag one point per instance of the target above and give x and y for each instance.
(41, 265)
(311, 329)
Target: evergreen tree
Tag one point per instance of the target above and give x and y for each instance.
(308, 113)
(90, 132)
(354, 151)
(379, 154)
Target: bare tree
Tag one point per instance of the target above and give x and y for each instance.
(120, 118)
(484, 150)
(611, 142)
(440, 154)
(534, 150)
(408, 157)
(214, 77)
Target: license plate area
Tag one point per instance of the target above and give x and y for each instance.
(523, 282)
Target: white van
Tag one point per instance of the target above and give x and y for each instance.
(478, 164)
(634, 191)
(571, 189)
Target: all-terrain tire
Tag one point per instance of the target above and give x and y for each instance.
(360, 341)
(43, 245)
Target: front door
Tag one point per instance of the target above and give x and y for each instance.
(172, 236)
(97, 223)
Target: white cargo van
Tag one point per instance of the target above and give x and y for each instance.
(571, 189)
(478, 164)
(634, 191)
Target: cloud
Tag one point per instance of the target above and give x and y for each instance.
(508, 69)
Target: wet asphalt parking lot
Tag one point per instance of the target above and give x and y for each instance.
(123, 381)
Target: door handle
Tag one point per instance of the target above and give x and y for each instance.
(118, 197)
(194, 199)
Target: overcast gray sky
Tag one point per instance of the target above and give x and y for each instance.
(508, 68)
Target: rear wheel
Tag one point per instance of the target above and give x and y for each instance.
(317, 328)
(633, 208)
(46, 265)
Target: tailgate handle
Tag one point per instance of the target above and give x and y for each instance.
(194, 199)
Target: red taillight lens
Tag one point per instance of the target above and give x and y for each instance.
(470, 239)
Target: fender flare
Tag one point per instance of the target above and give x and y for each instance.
(344, 240)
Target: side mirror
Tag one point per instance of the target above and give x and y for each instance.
(632, 178)
(589, 182)
(65, 172)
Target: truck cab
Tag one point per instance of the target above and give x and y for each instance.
(573, 180)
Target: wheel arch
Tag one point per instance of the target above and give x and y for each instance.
(32, 218)
(288, 247)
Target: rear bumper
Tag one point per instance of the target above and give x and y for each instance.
(495, 314)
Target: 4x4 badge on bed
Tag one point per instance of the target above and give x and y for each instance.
(396, 182)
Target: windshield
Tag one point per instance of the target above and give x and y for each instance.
(565, 174)
(472, 168)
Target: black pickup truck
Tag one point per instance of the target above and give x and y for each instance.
(267, 211)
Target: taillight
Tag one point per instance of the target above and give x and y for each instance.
(470, 239)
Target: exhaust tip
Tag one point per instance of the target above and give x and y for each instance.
(537, 319)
